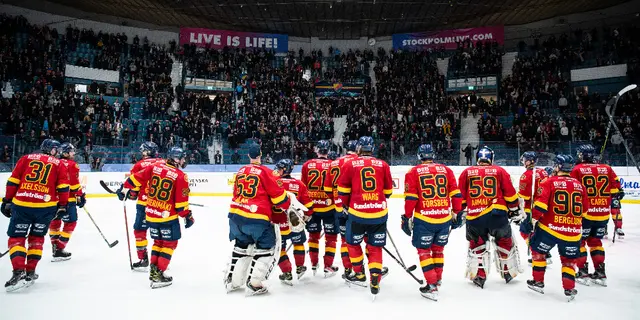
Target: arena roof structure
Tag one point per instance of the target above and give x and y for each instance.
(338, 19)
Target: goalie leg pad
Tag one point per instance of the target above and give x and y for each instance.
(477, 260)
(261, 266)
(236, 273)
(507, 257)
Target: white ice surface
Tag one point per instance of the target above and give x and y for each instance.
(97, 283)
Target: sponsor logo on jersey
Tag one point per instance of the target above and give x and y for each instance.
(358, 206)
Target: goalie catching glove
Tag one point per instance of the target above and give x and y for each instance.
(296, 214)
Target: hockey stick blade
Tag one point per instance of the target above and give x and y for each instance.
(4, 254)
(627, 89)
(115, 243)
(197, 205)
(106, 187)
(412, 268)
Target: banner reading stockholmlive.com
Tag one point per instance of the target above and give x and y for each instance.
(218, 39)
(448, 39)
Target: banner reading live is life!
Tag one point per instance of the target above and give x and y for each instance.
(446, 38)
(218, 39)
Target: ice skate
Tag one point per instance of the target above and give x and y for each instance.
(142, 265)
(347, 272)
(286, 278)
(31, 278)
(384, 272)
(314, 269)
(582, 276)
(619, 233)
(374, 286)
(17, 281)
(254, 291)
(570, 294)
(479, 281)
(330, 271)
(430, 291)
(599, 277)
(536, 286)
(158, 278)
(60, 254)
(357, 278)
(300, 271)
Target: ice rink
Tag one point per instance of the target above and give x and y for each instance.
(98, 284)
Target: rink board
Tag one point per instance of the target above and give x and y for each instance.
(220, 184)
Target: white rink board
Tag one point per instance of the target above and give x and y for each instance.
(221, 183)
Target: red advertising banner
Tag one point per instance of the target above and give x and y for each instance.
(448, 39)
(218, 39)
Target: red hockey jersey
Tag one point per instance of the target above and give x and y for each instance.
(38, 181)
(331, 183)
(255, 194)
(429, 192)
(600, 183)
(524, 188)
(559, 206)
(167, 191)
(139, 166)
(75, 189)
(298, 188)
(486, 188)
(364, 186)
(314, 174)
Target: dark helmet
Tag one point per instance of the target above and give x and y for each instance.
(586, 153)
(255, 151)
(425, 152)
(485, 155)
(549, 171)
(564, 162)
(332, 155)
(529, 156)
(175, 155)
(322, 147)
(50, 147)
(67, 148)
(352, 145)
(365, 144)
(286, 165)
(149, 148)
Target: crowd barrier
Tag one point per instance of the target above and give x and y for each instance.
(220, 184)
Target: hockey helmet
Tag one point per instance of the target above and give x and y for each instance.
(322, 147)
(352, 145)
(365, 144)
(485, 155)
(50, 147)
(177, 156)
(149, 149)
(564, 163)
(586, 153)
(286, 165)
(425, 152)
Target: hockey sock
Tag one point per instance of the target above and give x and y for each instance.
(596, 250)
(314, 240)
(438, 260)
(356, 257)
(374, 259)
(344, 253)
(18, 252)
(329, 248)
(568, 273)
(426, 262)
(582, 255)
(141, 243)
(65, 235)
(54, 231)
(34, 254)
(283, 262)
(164, 251)
(299, 255)
(539, 265)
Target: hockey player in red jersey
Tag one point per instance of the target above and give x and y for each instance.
(526, 189)
(77, 198)
(166, 200)
(430, 191)
(314, 174)
(251, 223)
(331, 188)
(491, 200)
(293, 229)
(602, 185)
(557, 216)
(364, 186)
(37, 192)
(149, 152)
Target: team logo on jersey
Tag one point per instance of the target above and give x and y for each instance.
(165, 214)
(185, 192)
(46, 198)
(279, 182)
(253, 208)
(186, 178)
(406, 186)
(539, 192)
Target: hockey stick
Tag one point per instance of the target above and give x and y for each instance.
(614, 101)
(110, 244)
(408, 270)
(106, 187)
(612, 122)
(126, 225)
(4, 254)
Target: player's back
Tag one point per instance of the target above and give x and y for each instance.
(314, 176)
(368, 182)
(526, 186)
(139, 166)
(486, 188)
(39, 178)
(254, 192)
(600, 183)
(434, 186)
(562, 204)
(331, 183)
(168, 191)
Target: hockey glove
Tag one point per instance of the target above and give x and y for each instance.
(60, 211)
(6, 208)
(406, 225)
(120, 193)
(619, 195)
(458, 220)
(188, 220)
(517, 215)
(81, 200)
(615, 204)
(526, 226)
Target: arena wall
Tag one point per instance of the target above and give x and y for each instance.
(220, 184)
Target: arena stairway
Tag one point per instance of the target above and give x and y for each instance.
(508, 59)
(468, 134)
